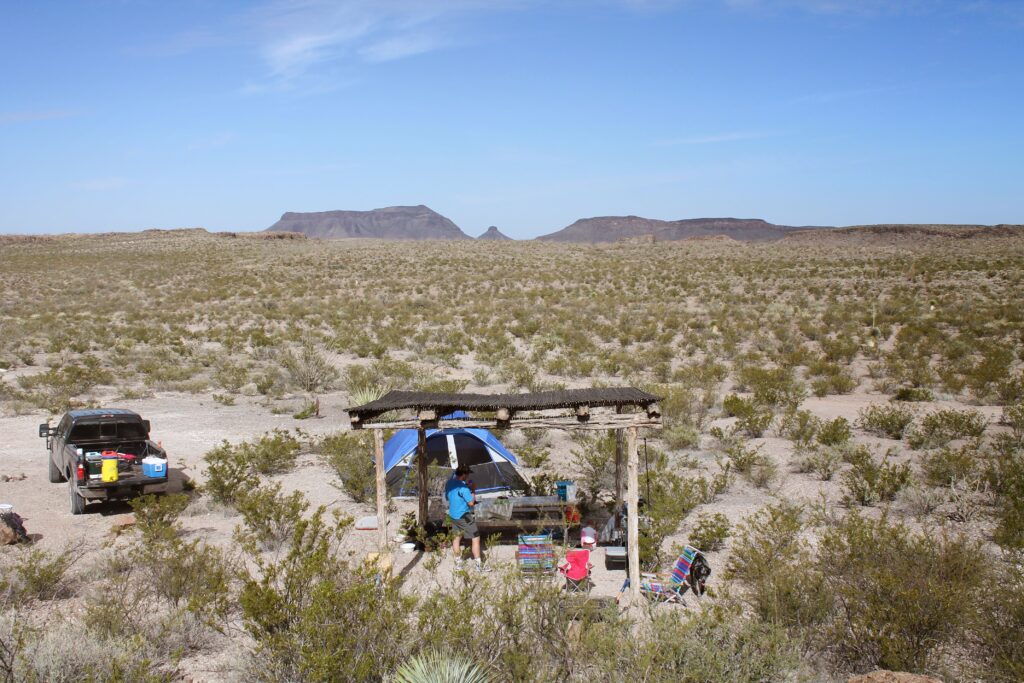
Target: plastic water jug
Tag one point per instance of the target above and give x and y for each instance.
(108, 471)
(154, 467)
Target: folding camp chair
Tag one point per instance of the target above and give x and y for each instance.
(576, 570)
(536, 554)
(690, 572)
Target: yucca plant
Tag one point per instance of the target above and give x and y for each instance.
(441, 667)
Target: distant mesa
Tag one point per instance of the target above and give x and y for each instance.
(619, 228)
(904, 234)
(392, 223)
(493, 234)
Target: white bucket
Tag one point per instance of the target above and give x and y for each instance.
(5, 508)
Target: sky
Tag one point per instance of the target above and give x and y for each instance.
(524, 114)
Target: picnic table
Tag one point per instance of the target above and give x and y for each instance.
(525, 512)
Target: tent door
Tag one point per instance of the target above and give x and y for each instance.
(453, 456)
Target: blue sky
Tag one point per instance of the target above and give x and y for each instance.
(525, 114)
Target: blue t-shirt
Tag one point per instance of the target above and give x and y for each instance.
(459, 496)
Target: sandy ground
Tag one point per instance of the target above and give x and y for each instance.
(188, 426)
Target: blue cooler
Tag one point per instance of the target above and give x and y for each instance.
(154, 467)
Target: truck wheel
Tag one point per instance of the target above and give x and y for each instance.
(56, 476)
(77, 501)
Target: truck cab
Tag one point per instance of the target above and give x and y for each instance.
(104, 454)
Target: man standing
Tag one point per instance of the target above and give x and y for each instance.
(461, 502)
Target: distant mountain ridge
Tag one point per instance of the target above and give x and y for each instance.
(617, 228)
(493, 234)
(393, 223)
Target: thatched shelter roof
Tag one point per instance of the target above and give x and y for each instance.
(542, 400)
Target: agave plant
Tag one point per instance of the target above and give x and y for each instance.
(441, 667)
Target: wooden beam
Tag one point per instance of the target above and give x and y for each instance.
(653, 411)
(582, 413)
(427, 415)
(503, 414)
(382, 491)
(538, 421)
(421, 476)
(633, 514)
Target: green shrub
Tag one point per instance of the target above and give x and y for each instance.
(594, 459)
(681, 437)
(742, 458)
(37, 574)
(751, 419)
(800, 426)
(901, 624)
(1005, 473)
(914, 395)
(533, 456)
(669, 497)
(1000, 621)
(945, 466)
(772, 387)
(717, 644)
(839, 383)
(350, 455)
(270, 516)
(772, 559)
(834, 432)
(869, 481)
(273, 453)
(307, 367)
(1013, 416)
(824, 462)
(938, 428)
(710, 532)
(890, 421)
(228, 474)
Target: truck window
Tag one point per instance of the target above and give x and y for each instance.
(107, 431)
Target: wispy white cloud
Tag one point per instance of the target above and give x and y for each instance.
(733, 136)
(12, 117)
(101, 184)
(302, 41)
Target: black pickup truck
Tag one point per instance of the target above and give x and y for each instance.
(83, 439)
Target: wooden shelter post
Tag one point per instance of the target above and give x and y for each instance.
(618, 473)
(421, 476)
(382, 492)
(633, 513)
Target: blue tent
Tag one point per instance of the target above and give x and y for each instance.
(495, 468)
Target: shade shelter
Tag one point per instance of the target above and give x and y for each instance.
(624, 409)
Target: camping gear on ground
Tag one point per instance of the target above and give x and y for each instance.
(408, 547)
(615, 557)
(12, 528)
(690, 572)
(5, 508)
(108, 469)
(566, 491)
(154, 467)
(536, 554)
(576, 570)
(495, 469)
(366, 524)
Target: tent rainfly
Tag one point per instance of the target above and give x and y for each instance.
(495, 468)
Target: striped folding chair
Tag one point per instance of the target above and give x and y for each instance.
(689, 572)
(536, 555)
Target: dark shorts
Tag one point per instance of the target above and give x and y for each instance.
(465, 526)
